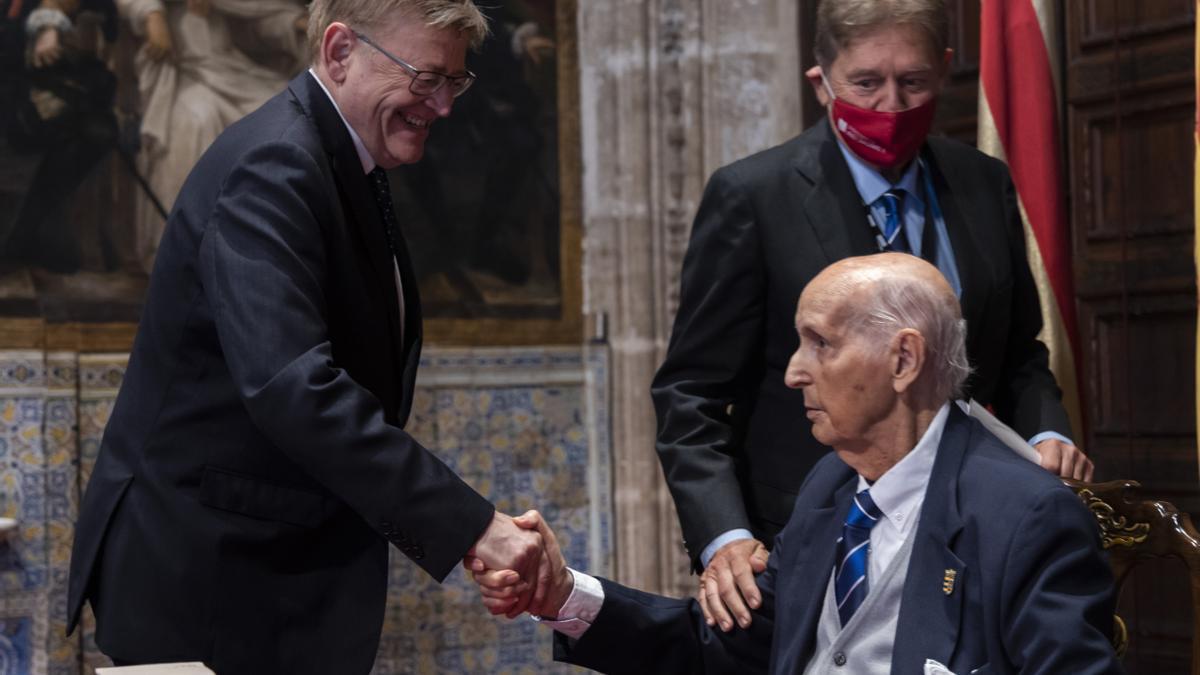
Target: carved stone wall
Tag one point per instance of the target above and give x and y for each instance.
(670, 90)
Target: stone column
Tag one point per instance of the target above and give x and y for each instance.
(670, 90)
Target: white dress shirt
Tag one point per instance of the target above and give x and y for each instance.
(899, 494)
(368, 162)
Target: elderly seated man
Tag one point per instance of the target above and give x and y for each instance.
(921, 545)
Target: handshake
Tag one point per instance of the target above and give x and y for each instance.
(519, 567)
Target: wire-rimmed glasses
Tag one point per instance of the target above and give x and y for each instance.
(425, 82)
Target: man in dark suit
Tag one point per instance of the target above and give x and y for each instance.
(922, 542)
(732, 448)
(255, 466)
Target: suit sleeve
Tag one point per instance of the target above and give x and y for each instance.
(715, 350)
(263, 265)
(1027, 396)
(637, 632)
(1058, 588)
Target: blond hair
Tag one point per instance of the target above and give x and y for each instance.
(839, 22)
(365, 15)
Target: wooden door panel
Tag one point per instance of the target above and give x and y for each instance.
(1142, 161)
(1130, 111)
(1093, 21)
(1132, 70)
(1149, 603)
(1141, 391)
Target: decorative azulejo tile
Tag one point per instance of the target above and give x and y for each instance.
(24, 574)
(40, 457)
(528, 428)
(100, 378)
(61, 447)
(21, 369)
(16, 644)
(513, 424)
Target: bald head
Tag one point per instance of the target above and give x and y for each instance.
(866, 273)
(880, 295)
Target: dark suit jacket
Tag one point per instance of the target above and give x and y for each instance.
(731, 437)
(1032, 593)
(255, 466)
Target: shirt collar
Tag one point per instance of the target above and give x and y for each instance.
(900, 491)
(871, 184)
(368, 163)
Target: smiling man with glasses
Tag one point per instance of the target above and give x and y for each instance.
(256, 468)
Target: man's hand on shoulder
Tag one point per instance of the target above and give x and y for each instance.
(1064, 460)
(727, 587)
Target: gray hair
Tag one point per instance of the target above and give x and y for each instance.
(902, 301)
(461, 15)
(839, 22)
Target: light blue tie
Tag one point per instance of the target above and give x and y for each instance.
(850, 578)
(893, 230)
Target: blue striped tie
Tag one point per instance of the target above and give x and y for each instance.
(850, 578)
(893, 225)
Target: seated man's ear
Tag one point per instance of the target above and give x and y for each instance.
(907, 351)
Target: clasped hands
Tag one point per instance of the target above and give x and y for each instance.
(519, 567)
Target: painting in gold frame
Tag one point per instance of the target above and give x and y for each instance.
(517, 281)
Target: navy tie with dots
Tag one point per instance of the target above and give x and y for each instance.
(850, 575)
(383, 197)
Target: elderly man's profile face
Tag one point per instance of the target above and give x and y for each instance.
(392, 121)
(845, 376)
(889, 69)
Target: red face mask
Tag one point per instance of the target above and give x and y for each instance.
(885, 139)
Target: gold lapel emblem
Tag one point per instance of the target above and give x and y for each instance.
(948, 581)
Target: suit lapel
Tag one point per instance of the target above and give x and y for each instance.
(833, 207)
(361, 211)
(818, 534)
(968, 256)
(931, 607)
(412, 326)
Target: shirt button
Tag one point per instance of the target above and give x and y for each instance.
(839, 659)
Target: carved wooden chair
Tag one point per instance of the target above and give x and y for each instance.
(1132, 530)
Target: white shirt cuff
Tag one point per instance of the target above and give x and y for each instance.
(715, 545)
(1047, 435)
(580, 610)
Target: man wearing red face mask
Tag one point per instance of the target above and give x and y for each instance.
(733, 440)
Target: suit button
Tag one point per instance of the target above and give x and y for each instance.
(839, 659)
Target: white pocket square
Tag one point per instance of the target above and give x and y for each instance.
(934, 668)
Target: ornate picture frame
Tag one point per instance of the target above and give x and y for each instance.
(531, 74)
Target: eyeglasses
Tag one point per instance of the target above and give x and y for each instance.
(425, 82)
